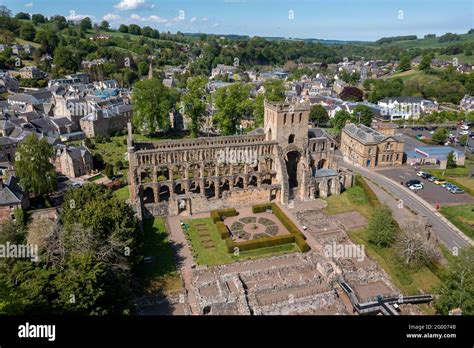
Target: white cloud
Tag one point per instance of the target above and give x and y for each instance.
(73, 16)
(157, 19)
(215, 25)
(29, 5)
(136, 17)
(125, 5)
(111, 17)
(192, 20)
(204, 19)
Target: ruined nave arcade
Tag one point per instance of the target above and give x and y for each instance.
(282, 161)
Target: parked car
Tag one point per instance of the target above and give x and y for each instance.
(464, 132)
(426, 176)
(412, 182)
(420, 174)
(456, 190)
(449, 186)
(416, 187)
(439, 182)
(447, 183)
(147, 259)
(464, 127)
(76, 185)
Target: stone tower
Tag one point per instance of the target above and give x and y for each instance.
(287, 123)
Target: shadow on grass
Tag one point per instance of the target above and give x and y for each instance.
(161, 275)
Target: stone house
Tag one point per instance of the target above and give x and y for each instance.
(11, 198)
(73, 161)
(370, 148)
(106, 121)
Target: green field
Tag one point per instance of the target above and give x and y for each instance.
(415, 75)
(353, 199)
(161, 275)
(462, 216)
(123, 193)
(218, 254)
(409, 279)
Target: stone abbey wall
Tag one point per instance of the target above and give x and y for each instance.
(196, 175)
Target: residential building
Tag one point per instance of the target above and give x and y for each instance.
(11, 198)
(73, 161)
(370, 148)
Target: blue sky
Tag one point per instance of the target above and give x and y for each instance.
(335, 19)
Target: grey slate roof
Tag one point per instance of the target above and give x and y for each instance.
(11, 192)
(368, 135)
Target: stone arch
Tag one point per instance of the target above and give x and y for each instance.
(329, 187)
(194, 187)
(267, 179)
(322, 164)
(253, 181)
(162, 174)
(239, 182)
(224, 186)
(164, 193)
(145, 176)
(317, 191)
(178, 172)
(292, 160)
(194, 171)
(210, 189)
(179, 189)
(148, 195)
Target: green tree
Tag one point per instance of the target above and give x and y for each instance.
(440, 135)
(364, 113)
(85, 24)
(83, 278)
(463, 139)
(457, 288)
(425, 64)
(38, 19)
(451, 161)
(194, 102)
(22, 15)
(134, 29)
(382, 227)
(123, 28)
(48, 39)
(27, 31)
(33, 166)
(109, 170)
(232, 103)
(66, 59)
(104, 25)
(318, 115)
(340, 119)
(405, 63)
(152, 103)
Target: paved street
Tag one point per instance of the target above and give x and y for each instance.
(446, 232)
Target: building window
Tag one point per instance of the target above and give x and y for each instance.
(291, 139)
(284, 119)
(300, 116)
(292, 118)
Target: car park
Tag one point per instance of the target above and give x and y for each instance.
(457, 190)
(439, 182)
(433, 178)
(426, 176)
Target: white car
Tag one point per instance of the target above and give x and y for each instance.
(420, 173)
(416, 187)
(465, 127)
(464, 132)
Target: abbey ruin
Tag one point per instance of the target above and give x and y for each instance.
(283, 161)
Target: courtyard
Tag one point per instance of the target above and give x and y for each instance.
(209, 248)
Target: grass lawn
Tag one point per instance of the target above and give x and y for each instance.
(350, 200)
(219, 255)
(161, 275)
(408, 279)
(96, 177)
(462, 216)
(415, 75)
(123, 193)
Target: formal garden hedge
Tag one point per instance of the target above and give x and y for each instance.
(216, 215)
(259, 243)
(295, 236)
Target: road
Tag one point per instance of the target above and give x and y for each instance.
(446, 232)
